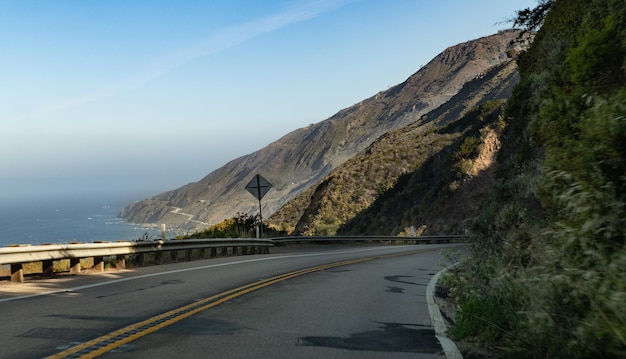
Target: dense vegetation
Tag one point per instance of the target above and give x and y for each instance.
(547, 273)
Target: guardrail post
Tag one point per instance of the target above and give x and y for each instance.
(74, 265)
(189, 254)
(174, 256)
(120, 262)
(202, 253)
(213, 252)
(17, 273)
(140, 258)
(98, 264)
(47, 268)
(158, 257)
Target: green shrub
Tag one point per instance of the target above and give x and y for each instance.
(550, 244)
(489, 317)
(469, 148)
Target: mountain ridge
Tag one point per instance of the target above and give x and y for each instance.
(349, 190)
(302, 157)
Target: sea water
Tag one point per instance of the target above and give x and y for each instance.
(58, 219)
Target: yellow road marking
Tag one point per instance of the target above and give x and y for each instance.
(113, 340)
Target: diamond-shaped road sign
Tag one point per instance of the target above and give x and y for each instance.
(258, 186)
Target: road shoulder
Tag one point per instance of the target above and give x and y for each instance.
(449, 347)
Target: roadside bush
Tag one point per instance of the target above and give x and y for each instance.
(489, 317)
(549, 252)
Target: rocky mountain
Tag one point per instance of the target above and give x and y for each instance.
(358, 196)
(303, 157)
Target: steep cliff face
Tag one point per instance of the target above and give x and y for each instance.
(301, 158)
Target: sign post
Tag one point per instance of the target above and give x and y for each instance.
(258, 187)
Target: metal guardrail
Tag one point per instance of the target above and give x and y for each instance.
(29, 253)
(16, 256)
(379, 239)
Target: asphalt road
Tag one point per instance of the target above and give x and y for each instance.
(374, 307)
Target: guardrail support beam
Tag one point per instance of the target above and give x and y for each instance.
(120, 262)
(140, 258)
(74, 265)
(47, 268)
(17, 273)
(98, 264)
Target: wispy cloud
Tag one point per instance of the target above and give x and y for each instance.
(219, 41)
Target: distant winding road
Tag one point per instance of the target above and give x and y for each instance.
(178, 211)
(308, 302)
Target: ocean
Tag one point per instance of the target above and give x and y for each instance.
(59, 219)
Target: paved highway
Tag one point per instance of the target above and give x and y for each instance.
(307, 302)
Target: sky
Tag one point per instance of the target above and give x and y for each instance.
(140, 97)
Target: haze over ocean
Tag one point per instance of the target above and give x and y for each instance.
(62, 219)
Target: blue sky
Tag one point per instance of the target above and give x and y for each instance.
(145, 96)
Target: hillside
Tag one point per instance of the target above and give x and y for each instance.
(546, 278)
(301, 158)
(357, 198)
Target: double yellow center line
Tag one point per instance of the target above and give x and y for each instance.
(113, 340)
